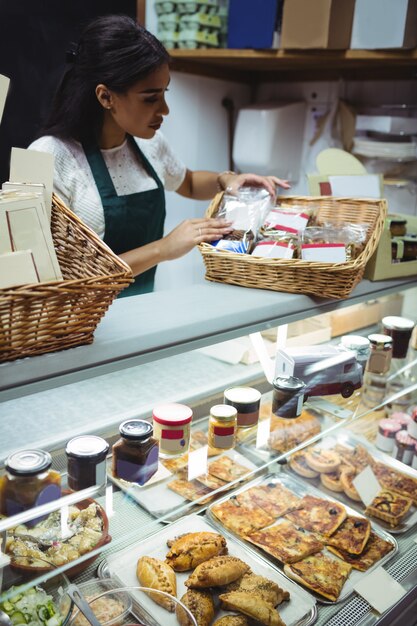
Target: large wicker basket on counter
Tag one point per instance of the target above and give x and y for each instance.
(330, 280)
(51, 316)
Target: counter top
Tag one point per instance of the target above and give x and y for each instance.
(143, 328)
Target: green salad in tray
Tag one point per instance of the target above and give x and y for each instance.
(34, 607)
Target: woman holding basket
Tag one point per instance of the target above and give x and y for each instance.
(112, 164)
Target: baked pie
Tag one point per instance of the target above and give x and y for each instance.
(188, 551)
(157, 575)
(218, 571)
(200, 604)
(260, 586)
(253, 606)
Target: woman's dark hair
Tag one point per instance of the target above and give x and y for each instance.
(113, 50)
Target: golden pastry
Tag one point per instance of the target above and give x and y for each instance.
(232, 620)
(219, 571)
(191, 549)
(201, 605)
(158, 575)
(253, 606)
(260, 586)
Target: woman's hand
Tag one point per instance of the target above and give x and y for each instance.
(233, 182)
(190, 233)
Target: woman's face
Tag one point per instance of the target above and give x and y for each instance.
(140, 110)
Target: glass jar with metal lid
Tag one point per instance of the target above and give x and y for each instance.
(86, 462)
(172, 427)
(288, 396)
(247, 402)
(29, 482)
(222, 426)
(399, 329)
(135, 454)
(359, 345)
(380, 356)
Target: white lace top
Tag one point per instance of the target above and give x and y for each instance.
(74, 182)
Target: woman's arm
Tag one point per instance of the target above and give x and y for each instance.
(201, 185)
(177, 243)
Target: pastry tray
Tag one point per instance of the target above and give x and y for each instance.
(301, 609)
(301, 489)
(347, 439)
(162, 502)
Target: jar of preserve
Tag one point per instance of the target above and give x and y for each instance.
(399, 329)
(222, 427)
(86, 461)
(135, 454)
(404, 447)
(172, 425)
(385, 439)
(288, 396)
(359, 345)
(398, 227)
(29, 482)
(379, 361)
(247, 402)
(403, 419)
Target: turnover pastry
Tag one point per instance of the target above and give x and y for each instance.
(253, 606)
(200, 604)
(232, 620)
(158, 575)
(191, 549)
(219, 571)
(260, 586)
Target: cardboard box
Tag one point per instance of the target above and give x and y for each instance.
(360, 316)
(379, 24)
(317, 24)
(380, 264)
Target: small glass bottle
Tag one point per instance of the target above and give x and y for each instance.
(222, 427)
(86, 461)
(288, 396)
(29, 482)
(135, 454)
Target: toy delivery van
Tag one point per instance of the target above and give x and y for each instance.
(325, 369)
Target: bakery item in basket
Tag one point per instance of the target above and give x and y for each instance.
(217, 572)
(300, 466)
(253, 606)
(347, 476)
(286, 434)
(389, 506)
(322, 460)
(226, 469)
(273, 498)
(201, 605)
(375, 549)
(352, 535)
(241, 519)
(191, 549)
(260, 586)
(318, 515)
(285, 542)
(321, 574)
(232, 620)
(332, 481)
(157, 575)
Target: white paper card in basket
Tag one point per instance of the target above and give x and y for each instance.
(324, 252)
(17, 268)
(122, 565)
(31, 166)
(4, 88)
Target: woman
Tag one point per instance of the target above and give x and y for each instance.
(111, 162)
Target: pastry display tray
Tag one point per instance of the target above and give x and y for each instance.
(300, 610)
(346, 438)
(162, 502)
(301, 489)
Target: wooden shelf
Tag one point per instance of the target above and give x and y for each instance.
(263, 65)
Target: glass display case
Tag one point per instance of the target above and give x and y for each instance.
(148, 354)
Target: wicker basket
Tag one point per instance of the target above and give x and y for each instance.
(330, 280)
(51, 316)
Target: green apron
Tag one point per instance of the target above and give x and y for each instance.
(130, 221)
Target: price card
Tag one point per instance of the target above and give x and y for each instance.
(31, 166)
(4, 88)
(380, 590)
(367, 485)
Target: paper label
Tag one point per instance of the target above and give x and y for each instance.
(380, 590)
(367, 485)
(197, 462)
(363, 186)
(324, 252)
(30, 166)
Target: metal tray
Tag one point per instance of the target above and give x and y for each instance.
(347, 439)
(300, 488)
(160, 501)
(301, 610)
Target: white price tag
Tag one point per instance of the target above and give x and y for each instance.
(197, 462)
(380, 590)
(367, 485)
(4, 88)
(31, 166)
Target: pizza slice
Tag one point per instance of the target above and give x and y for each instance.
(273, 498)
(285, 542)
(177, 464)
(396, 481)
(190, 490)
(226, 469)
(318, 515)
(389, 506)
(239, 518)
(212, 482)
(352, 535)
(374, 551)
(321, 574)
